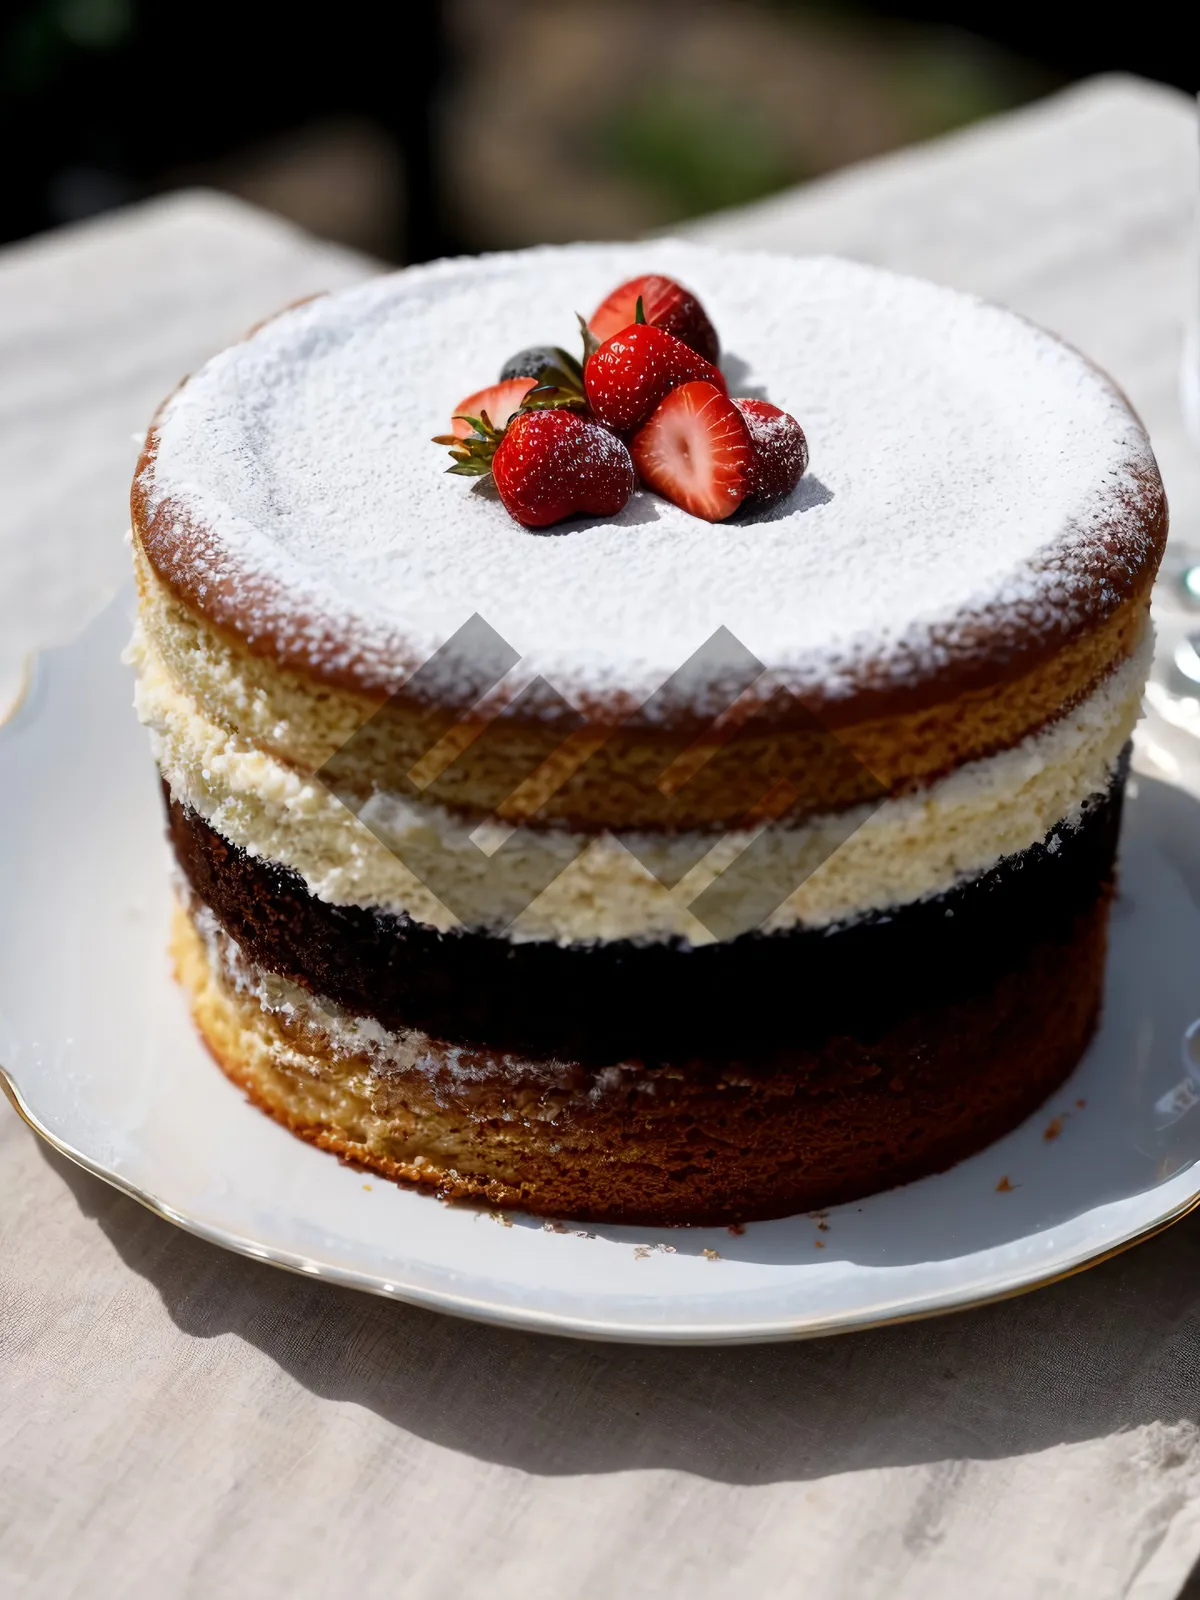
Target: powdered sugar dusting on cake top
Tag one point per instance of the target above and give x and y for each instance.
(967, 472)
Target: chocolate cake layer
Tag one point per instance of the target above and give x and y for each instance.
(746, 998)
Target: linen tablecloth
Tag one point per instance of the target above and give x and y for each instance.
(175, 1421)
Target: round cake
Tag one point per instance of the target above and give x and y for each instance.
(645, 867)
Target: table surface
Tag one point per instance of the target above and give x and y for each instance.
(178, 1422)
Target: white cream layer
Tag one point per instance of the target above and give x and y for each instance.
(870, 860)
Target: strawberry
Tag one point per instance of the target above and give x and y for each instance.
(666, 304)
(780, 450)
(554, 464)
(547, 464)
(631, 373)
(501, 402)
(695, 450)
(533, 361)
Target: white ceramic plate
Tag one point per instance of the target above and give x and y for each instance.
(102, 1061)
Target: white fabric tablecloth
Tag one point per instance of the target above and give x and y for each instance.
(178, 1422)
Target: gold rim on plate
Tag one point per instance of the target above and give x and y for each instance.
(25, 675)
(537, 1321)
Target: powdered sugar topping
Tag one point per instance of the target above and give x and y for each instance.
(966, 470)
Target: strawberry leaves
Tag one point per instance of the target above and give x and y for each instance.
(559, 385)
(473, 455)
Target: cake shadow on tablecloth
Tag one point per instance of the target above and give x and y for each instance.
(1107, 1350)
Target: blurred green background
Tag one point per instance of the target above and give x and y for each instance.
(488, 123)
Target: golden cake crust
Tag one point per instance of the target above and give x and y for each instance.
(828, 764)
(1094, 553)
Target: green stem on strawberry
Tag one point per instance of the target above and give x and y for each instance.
(473, 455)
(590, 342)
(557, 386)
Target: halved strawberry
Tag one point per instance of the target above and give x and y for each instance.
(501, 401)
(695, 450)
(665, 304)
(631, 373)
(780, 450)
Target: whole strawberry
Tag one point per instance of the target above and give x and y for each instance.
(630, 375)
(780, 451)
(555, 464)
(666, 305)
(547, 465)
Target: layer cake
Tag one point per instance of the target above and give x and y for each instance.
(647, 869)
